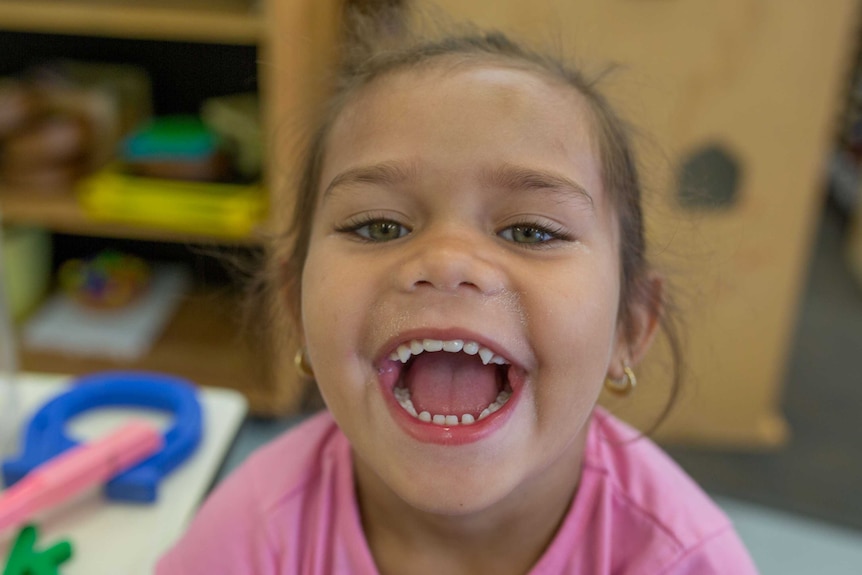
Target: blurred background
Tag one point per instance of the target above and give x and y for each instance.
(146, 146)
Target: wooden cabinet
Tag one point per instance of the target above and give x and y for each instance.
(204, 342)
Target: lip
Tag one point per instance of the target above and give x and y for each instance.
(426, 432)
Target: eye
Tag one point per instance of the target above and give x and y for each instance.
(377, 230)
(531, 234)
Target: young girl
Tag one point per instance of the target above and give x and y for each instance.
(468, 271)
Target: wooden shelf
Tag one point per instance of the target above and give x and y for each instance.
(213, 21)
(59, 211)
(203, 343)
(296, 46)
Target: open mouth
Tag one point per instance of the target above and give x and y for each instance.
(450, 382)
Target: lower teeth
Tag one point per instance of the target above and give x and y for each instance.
(402, 395)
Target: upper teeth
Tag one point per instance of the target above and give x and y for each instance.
(407, 350)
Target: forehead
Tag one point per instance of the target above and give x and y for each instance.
(463, 115)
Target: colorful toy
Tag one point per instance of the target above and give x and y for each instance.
(24, 559)
(176, 147)
(77, 469)
(45, 436)
(170, 138)
(109, 280)
(220, 209)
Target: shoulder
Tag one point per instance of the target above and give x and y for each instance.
(646, 480)
(285, 467)
(667, 520)
(235, 527)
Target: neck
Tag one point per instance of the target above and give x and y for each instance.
(508, 537)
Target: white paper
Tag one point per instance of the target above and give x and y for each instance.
(63, 326)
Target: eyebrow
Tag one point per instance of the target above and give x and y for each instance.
(517, 178)
(384, 174)
(508, 176)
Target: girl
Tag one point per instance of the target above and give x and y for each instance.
(468, 269)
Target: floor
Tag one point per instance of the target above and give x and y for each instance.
(783, 543)
(799, 510)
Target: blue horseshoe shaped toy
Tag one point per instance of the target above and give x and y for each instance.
(45, 436)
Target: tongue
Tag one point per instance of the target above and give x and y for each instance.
(451, 384)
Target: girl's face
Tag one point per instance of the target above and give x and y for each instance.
(462, 207)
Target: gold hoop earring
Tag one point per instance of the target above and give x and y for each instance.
(622, 386)
(300, 362)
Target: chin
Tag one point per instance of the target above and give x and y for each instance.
(458, 496)
(453, 481)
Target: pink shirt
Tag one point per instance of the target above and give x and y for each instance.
(291, 509)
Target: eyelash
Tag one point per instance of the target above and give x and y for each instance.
(353, 226)
(554, 232)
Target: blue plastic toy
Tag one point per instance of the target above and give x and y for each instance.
(45, 436)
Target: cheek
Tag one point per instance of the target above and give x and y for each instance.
(323, 292)
(574, 343)
(326, 329)
(325, 279)
(337, 295)
(575, 328)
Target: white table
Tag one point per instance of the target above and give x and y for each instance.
(118, 538)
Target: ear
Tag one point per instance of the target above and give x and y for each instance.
(634, 340)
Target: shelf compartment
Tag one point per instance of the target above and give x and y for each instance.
(202, 343)
(213, 21)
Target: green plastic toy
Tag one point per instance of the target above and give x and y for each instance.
(25, 560)
(171, 138)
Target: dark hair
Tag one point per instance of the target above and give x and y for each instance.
(379, 45)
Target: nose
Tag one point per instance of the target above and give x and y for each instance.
(452, 263)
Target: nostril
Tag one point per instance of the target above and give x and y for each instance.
(450, 266)
(446, 285)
